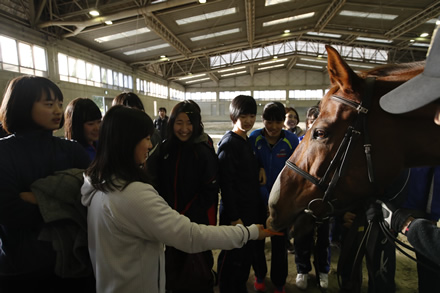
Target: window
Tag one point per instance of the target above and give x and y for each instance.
(76, 70)
(157, 90)
(306, 94)
(22, 57)
(230, 95)
(277, 95)
(201, 96)
(177, 95)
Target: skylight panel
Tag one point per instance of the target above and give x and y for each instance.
(368, 15)
(122, 35)
(206, 16)
(275, 2)
(324, 35)
(374, 40)
(215, 35)
(147, 49)
(288, 19)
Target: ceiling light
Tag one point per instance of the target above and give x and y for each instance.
(163, 56)
(202, 1)
(125, 34)
(286, 31)
(373, 40)
(215, 35)
(205, 16)
(273, 61)
(146, 49)
(94, 12)
(324, 35)
(308, 65)
(269, 67)
(233, 73)
(108, 22)
(192, 76)
(231, 69)
(288, 19)
(198, 80)
(363, 14)
(424, 35)
(275, 2)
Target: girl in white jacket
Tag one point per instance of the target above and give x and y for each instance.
(129, 222)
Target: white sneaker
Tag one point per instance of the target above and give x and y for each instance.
(323, 280)
(301, 281)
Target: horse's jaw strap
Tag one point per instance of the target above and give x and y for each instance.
(306, 175)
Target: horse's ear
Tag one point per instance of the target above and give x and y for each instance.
(339, 72)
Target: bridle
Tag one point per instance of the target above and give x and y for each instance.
(339, 163)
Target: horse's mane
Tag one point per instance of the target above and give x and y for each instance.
(394, 71)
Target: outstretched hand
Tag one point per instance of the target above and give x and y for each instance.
(28, 197)
(263, 233)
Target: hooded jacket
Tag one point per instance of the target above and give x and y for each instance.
(127, 230)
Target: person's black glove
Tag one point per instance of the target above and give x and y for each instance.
(395, 217)
(374, 212)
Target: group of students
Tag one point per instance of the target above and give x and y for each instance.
(136, 207)
(128, 222)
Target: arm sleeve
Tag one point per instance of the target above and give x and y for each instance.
(227, 172)
(14, 210)
(150, 217)
(424, 236)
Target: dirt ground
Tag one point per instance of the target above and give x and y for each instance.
(406, 275)
(406, 272)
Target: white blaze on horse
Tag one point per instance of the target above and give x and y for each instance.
(354, 149)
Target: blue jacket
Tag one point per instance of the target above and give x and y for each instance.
(272, 159)
(26, 157)
(418, 188)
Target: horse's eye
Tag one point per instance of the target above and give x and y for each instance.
(319, 134)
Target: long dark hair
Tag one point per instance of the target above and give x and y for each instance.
(190, 108)
(19, 98)
(114, 166)
(78, 112)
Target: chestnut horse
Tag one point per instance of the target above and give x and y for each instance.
(354, 149)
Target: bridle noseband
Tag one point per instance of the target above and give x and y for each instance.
(339, 163)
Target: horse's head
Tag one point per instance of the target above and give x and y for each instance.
(354, 149)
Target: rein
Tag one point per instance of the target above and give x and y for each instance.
(339, 163)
